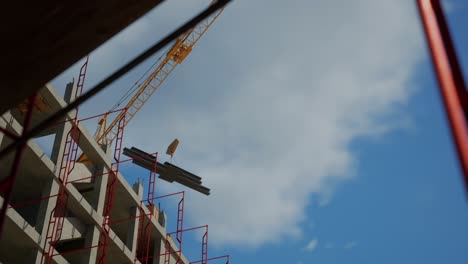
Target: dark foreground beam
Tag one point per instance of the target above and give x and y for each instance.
(41, 39)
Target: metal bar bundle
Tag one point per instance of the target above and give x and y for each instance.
(167, 171)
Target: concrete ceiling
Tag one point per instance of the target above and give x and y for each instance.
(43, 38)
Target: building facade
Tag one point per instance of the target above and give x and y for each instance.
(66, 211)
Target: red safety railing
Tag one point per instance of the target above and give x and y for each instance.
(226, 257)
(141, 251)
(180, 220)
(108, 220)
(180, 214)
(205, 247)
(57, 215)
(150, 200)
(168, 251)
(204, 250)
(67, 164)
(111, 185)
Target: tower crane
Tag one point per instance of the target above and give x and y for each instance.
(176, 54)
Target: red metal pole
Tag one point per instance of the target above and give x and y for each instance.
(111, 185)
(449, 74)
(151, 190)
(180, 220)
(205, 247)
(67, 164)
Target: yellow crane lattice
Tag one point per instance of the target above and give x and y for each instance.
(176, 55)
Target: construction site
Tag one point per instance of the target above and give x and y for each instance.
(72, 204)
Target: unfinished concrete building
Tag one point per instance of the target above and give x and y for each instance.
(70, 203)
(93, 215)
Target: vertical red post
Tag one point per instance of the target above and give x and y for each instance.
(152, 181)
(111, 184)
(67, 164)
(150, 199)
(449, 74)
(167, 253)
(180, 220)
(81, 78)
(205, 247)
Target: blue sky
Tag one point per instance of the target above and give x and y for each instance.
(317, 124)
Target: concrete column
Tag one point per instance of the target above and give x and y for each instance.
(59, 145)
(98, 195)
(132, 232)
(62, 131)
(158, 249)
(160, 246)
(162, 219)
(91, 239)
(2, 125)
(3, 141)
(46, 206)
(43, 216)
(70, 91)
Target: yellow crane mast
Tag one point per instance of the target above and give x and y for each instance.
(176, 55)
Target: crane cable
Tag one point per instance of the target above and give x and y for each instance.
(137, 84)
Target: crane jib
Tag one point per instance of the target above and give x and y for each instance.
(176, 55)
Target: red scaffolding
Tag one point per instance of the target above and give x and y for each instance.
(168, 249)
(110, 190)
(226, 257)
(58, 214)
(150, 201)
(142, 253)
(144, 230)
(67, 164)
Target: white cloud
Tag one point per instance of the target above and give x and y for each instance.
(312, 245)
(350, 245)
(268, 103)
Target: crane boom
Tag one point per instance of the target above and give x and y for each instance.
(176, 55)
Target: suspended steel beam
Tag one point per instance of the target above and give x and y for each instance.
(167, 171)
